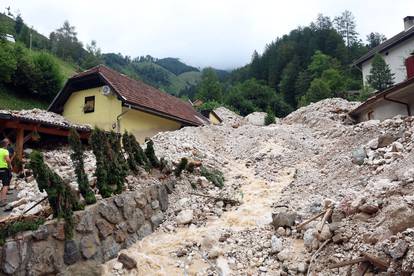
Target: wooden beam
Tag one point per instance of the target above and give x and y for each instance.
(363, 268)
(345, 263)
(43, 129)
(19, 143)
(310, 220)
(376, 261)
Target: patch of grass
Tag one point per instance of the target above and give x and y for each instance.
(67, 69)
(19, 226)
(215, 176)
(10, 100)
(181, 166)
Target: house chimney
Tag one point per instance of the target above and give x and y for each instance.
(409, 65)
(408, 22)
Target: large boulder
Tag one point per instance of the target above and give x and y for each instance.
(127, 261)
(89, 246)
(185, 216)
(283, 219)
(359, 155)
(385, 140)
(71, 254)
(110, 212)
(256, 118)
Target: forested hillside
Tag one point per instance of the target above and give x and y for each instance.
(34, 67)
(308, 64)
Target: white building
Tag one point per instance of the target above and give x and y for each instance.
(394, 51)
(398, 53)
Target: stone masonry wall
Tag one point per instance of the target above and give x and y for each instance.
(101, 231)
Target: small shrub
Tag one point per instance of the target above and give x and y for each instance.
(190, 167)
(150, 154)
(77, 159)
(214, 176)
(270, 118)
(10, 230)
(118, 165)
(101, 149)
(61, 197)
(181, 166)
(164, 167)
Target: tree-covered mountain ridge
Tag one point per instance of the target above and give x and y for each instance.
(69, 56)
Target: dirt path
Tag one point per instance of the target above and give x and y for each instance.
(154, 253)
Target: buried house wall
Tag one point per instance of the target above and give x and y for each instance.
(104, 115)
(143, 124)
(101, 231)
(382, 110)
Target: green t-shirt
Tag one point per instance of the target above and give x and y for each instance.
(3, 154)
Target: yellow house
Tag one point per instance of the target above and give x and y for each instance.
(212, 116)
(109, 100)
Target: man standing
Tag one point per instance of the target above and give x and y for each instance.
(5, 171)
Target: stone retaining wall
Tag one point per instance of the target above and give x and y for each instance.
(101, 231)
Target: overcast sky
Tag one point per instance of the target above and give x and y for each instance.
(219, 33)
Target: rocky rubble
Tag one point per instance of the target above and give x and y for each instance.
(358, 178)
(362, 173)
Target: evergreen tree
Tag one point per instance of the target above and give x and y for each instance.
(256, 66)
(209, 89)
(181, 166)
(25, 76)
(322, 23)
(118, 165)
(8, 62)
(48, 76)
(318, 90)
(77, 156)
(380, 76)
(270, 117)
(61, 198)
(19, 24)
(101, 148)
(150, 154)
(65, 44)
(128, 148)
(375, 39)
(287, 82)
(345, 25)
(136, 155)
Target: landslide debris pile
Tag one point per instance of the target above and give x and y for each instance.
(358, 178)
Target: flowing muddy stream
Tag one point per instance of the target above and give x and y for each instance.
(154, 253)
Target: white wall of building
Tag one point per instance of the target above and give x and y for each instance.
(383, 110)
(395, 58)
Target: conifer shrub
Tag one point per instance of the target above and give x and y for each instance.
(270, 118)
(127, 145)
(101, 149)
(190, 167)
(181, 166)
(150, 154)
(136, 155)
(77, 156)
(215, 176)
(164, 167)
(118, 165)
(61, 197)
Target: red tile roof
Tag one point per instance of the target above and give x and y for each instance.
(144, 97)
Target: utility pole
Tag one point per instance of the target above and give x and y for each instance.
(30, 47)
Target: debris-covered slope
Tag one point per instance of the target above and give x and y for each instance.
(358, 177)
(312, 161)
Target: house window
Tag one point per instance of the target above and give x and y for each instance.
(89, 104)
